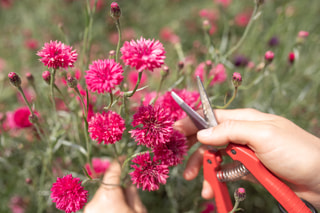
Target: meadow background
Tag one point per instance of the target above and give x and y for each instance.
(290, 90)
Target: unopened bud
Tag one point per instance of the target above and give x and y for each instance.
(302, 35)
(28, 181)
(33, 118)
(208, 64)
(291, 58)
(15, 79)
(180, 65)
(30, 77)
(206, 25)
(115, 10)
(112, 54)
(72, 82)
(165, 70)
(268, 56)
(259, 2)
(46, 75)
(236, 79)
(240, 194)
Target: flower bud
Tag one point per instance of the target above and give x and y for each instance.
(291, 58)
(72, 82)
(302, 35)
(180, 65)
(268, 56)
(236, 79)
(259, 2)
(15, 79)
(30, 77)
(206, 25)
(166, 70)
(115, 10)
(240, 194)
(28, 181)
(46, 75)
(208, 64)
(112, 54)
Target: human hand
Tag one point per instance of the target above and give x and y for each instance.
(113, 198)
(288, 151)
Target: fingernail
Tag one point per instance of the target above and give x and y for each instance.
(205, 193)
(205, 133)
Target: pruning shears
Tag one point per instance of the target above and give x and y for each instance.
(247, 163)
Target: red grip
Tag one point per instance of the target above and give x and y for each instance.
(280, 191)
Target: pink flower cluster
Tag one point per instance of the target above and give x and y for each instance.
(57, 55)
(168, 146)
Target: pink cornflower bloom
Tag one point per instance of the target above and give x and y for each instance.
(166, 102)
(156, 126)
(167, 34)
(268, 56)
(242, 19)
(21, 117)
(17, 204)
(209, 207)
(236, 79)
(57, 55)
(303, 34)
(172, 152)
(104, 75)
(224, 3)
(99, 165)
(148, 174)
(143, 54)
(106, 127)
(68, 194)
(291, 57)
(217, 73)
(31, 44)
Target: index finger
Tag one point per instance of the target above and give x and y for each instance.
(186, 126)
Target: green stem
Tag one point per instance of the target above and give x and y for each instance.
(235, 206)
(85, 112)
(136, 87)
(244, 35)
(111, 101)
(53, 74)
(119, 39)
(230, 101)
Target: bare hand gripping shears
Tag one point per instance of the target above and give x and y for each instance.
(247, 163)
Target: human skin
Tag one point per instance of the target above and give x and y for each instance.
(113, 198)
(290, 152)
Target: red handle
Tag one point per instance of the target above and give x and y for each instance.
(211, 164)
(280, 191)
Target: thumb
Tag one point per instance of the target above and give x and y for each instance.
(133, 199)
(251, 133)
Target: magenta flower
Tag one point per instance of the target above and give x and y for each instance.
(104, 75)
(21, 117)
(57, 55)
(166, 102)
(143, 54)
(156, 126)
(99, 165)
(217, 73)
(148, 174)
(172, 152)
(106, 127)
(68, 194)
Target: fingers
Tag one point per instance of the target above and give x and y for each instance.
(251, 133)
(133, 200)
(185, 126)
(194, 164)
(207, 192)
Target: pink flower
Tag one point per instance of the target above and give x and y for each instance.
(17, 204)
(172, 152)
(57, 55)
(268, 56)
(99, 165)
(167, 34)
(209, 207)
(218, 73)
(106, 127)
(143, 54)
(303, 34)
(104, 75)
(156, 126)
(236, 79)
(291, 57)
(31, 44)
(242, 19)
(68, 194)
(21, 117)
(166, 102)
(148, 174)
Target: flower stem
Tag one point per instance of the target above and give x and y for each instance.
(244, 35)
(235, 207)
(119, 39)
(136, 87)
(230, 101)
(52, 79)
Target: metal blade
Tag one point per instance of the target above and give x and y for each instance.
(198, 121)
(206, 106)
